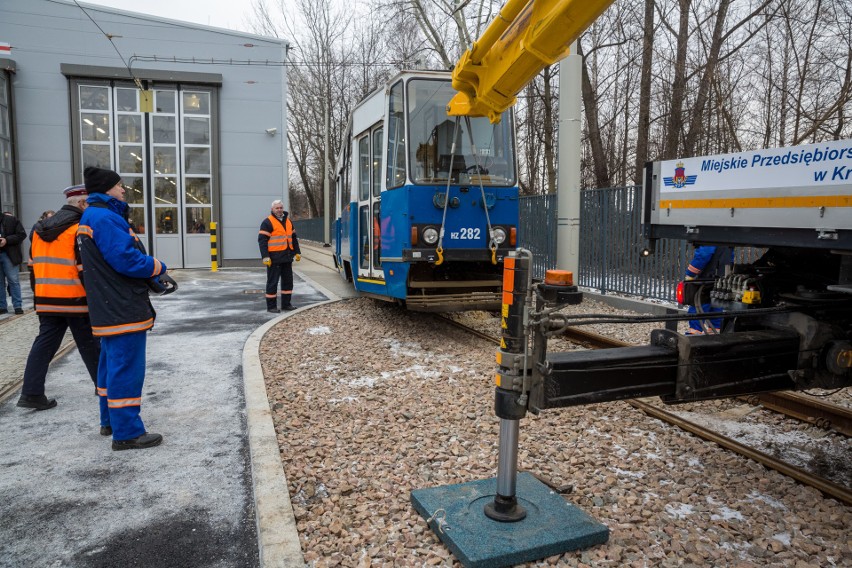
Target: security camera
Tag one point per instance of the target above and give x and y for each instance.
(272, 131)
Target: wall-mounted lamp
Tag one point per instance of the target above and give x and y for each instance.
(272, 131)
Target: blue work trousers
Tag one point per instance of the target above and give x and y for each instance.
(695, 327)
(121, 372)
(11, 274)
(51, 331)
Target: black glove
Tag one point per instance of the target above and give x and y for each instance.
(162, 284)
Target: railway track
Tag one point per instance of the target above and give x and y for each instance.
(818, 413)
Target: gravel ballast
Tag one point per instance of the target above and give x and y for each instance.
(371, 402)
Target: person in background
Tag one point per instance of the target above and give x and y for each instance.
(117, 272)
(279, 247)
(707, 262)
(60, 299)
(46, 214)
(12, 234)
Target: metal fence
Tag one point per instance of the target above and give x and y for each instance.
(610, 243)
(310, 229)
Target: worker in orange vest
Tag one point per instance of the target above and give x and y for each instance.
(60, 299)
(279, 247)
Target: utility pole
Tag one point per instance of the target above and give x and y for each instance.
(326, 206)
(568, 183)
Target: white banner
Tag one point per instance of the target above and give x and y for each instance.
(824, 164)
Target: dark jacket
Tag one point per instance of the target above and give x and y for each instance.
(13, 231)
(277, 257)
(116, 269)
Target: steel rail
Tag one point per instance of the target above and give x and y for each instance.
(838, 492)
(783, 400)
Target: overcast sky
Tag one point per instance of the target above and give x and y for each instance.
(229, 14)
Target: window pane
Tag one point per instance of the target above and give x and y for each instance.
(94, 98)
(5, 155)
(377, 161)
(196, 102)
(439, 146)
(164, 129)
(166, 220)
(125, 100)
(164, 101)
(196, 130)
(197, 219)
(137, 219)
(4, 96)
(364, 236)
(96, 155)
(94, 127)
(129, 128)
(198, 191)
(396, 139)
(7, 195)
(364, 168)
(134, 189)
(197, 161)
(4, 122)
(130, 159)
(165, 160)
(165, 190)
(377, 235)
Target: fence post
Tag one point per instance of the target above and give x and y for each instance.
(214, 253)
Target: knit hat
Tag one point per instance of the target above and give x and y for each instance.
(74, 191)
(99, 180)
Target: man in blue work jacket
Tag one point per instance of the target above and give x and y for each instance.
(117, 272)
(707, 262)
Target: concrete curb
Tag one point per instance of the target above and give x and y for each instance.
(278, 539)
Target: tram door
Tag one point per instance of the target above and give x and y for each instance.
(370, 150)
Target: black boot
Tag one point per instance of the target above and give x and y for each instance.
(39, 402)
(272, 306)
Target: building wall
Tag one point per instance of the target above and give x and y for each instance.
(47, 34)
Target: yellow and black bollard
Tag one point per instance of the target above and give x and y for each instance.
(214, 252)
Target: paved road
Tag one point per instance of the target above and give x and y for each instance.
(66, 499)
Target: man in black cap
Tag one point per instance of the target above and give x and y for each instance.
(60, 298)
(117, 273)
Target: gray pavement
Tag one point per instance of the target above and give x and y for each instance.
(213, 494)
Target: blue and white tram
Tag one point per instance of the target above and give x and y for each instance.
(426, 204)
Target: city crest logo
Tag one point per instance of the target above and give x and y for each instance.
(680, 179)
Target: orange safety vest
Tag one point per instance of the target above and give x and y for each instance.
(281, 237)
(58, 289)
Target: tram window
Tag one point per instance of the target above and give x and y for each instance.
(377, 161)
(364, 168)
(431, 137)
(377, 235)
(396, 138)
(364, 236)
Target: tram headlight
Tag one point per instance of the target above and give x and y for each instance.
(499, 235)
(430, 235)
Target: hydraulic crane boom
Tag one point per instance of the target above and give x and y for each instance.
(526, 36)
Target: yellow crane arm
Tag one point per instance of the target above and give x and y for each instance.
(526, 36)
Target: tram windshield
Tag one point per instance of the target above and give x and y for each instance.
(431, 133)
